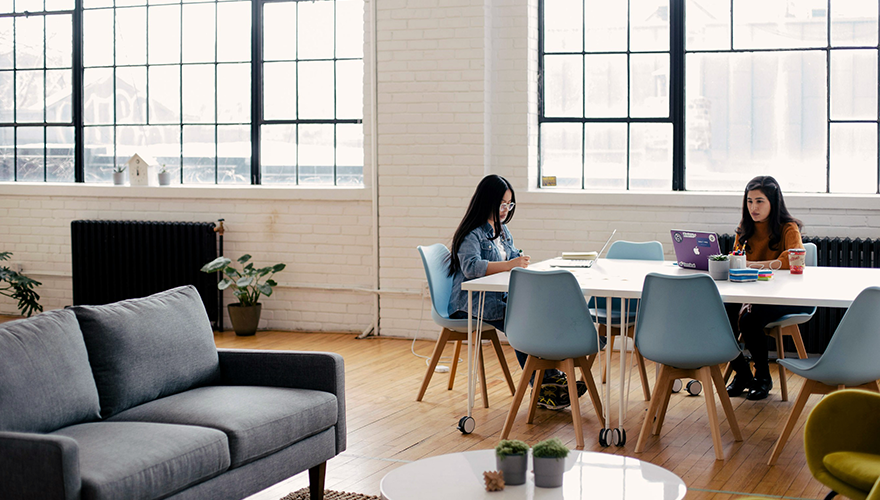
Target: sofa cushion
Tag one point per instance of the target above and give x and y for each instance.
(45, 379)
(257, 420)
(860, 470)
(137, 460)
(143, 349)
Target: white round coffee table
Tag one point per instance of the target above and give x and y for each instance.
(459, 476)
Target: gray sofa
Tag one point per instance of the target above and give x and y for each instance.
(132, 400)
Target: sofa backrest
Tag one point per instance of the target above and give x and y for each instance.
(147, 348)
(45, 379)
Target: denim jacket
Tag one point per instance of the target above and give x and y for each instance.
(474, 255)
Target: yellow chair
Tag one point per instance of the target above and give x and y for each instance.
(842, 443)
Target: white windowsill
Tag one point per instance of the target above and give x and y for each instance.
(293, 193)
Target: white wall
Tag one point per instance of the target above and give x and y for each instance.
(456, 99)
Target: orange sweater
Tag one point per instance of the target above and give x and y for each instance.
(759, 243)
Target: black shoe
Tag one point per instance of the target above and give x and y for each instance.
(553, 398)
(559, 380)
(739, 385)
(760, 388)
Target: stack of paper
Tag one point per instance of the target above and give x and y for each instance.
(580, 255)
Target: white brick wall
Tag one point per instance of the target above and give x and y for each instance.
(456, 100)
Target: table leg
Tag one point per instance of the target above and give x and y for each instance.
(605, 434)
(466, 424)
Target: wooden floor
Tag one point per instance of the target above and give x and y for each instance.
(388, 428)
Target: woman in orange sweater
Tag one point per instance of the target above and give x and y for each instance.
(766, 232)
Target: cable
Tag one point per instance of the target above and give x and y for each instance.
(427, 359)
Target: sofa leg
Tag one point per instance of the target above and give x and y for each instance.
(316, 481)
(831, 495)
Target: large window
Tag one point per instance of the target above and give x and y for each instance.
(183, 82)
(705, 94)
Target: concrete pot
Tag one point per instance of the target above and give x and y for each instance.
(548, 472)
(164, 178)
(244, 318)
(719, 269)
(514, 468)
(118, 178)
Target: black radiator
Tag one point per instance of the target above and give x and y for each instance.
(117, 260)
(833, 252)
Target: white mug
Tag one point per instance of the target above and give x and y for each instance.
(737, 261)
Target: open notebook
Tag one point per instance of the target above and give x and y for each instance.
(581, 259)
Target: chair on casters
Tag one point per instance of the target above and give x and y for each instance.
(686, 344)
(787, 326)
(625, 250)
(849, 361)
(435, 258)
(548, 319)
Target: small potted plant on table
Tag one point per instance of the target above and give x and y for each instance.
(548, 458)
(512, 458)
(247, 284)
(119, 175)
(719, 267)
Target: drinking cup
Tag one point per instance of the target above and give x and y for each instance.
(797, 259)
(737, 261)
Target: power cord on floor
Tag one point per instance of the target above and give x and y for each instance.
(439, 368)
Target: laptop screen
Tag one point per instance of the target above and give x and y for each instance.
(693, 248)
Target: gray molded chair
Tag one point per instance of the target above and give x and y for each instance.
(788, 326)
(435, 259)
(687, 342)
(849, 361)
(548, 319)
(626, 250)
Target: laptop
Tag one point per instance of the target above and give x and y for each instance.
(582, 263)
(693, 248)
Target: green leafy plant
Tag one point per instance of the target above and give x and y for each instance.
(118, 169)
(507, 447)
(550, 448)
(19, 287)
(720, 257)
(163, 169)
(248, 283)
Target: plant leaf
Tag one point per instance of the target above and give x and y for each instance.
(265, 289)
(216, 265)
(278, 267)
(244, 281)
(224, 284)
(244, 258)
(271, 282)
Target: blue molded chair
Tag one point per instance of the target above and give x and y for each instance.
(435, 259)
(626, 250)
(548, 319)
(687, 341)
(849, 361)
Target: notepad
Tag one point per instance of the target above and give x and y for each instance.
(580, 255)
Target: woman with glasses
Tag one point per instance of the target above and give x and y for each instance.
(482, 245)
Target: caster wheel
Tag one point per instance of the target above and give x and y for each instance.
(618, 437)
(604, 438)
(694, 387)
(676, 386)
(466, 425)
(622, 437)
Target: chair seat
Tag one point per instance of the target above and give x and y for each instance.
(798, 366)
(456, 325)
(791, 319)
(861, 470)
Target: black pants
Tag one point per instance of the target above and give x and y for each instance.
(751, 325)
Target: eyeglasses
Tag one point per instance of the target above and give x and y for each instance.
(507, 206)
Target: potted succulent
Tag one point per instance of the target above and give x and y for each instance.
(548, 458)
(164, 176)
(247, 286)
(119, 175)
(719, 267)
(19, 287)
(512, 458)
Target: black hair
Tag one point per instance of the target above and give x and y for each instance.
(779, 214)
(485, 205)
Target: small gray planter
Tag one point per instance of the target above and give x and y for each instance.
(514, 468)
(118, 178)
(548, 472)
(719, 269)
(164, 178)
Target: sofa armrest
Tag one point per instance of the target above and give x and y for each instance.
(319, 371)
(39, 466)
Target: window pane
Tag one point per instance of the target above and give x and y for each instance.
(165, 148)
(563, 26)
(59, 154)
(561, 153)
(198, 33)
(279, 94)
(91, 4)
(649, 20)
(29, 42)
(279, 33)
(131, 35)
(605, 156)
(7, 96)
(649, 85)
(28, 5)
(233, 154)
(131, 95)
(350, 28)
(56, 5)
(127, 3)
(198, 94)
(853, 158)
(5, 6)
(316, 154)
(758, 24)
(100, 153)
(98, 96)
(349, 154)
(316, 86)
(650, 156)
(59, 99)
(199, 155)
(165, 94)
(6, 43)
(350, 89)
(854, 84)
(165, 34)
(29, 97)
(233, 93)
(605, 23)
(707, 23)
(31, 151)
(605, 81)
(97, 38)
(7, 154)
(234, 31)
(59, 41)
(278, 154)
(853, 23)
(563, 87)
(314, 30)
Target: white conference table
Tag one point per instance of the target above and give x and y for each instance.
(611, 278)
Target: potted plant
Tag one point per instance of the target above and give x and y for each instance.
(19, 287)
(548, 458)
(247, 286)
(512, 458)
(119, 175)
(164, 176)
(719, 267)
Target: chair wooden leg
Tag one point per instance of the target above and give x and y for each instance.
(780, 354)
(316, 481)
(643, 375)
(518, 396)
(795, 333)
(568, 368)
(585, 364)
(503, 361)
(536, 392)
(483, 384)
(788, 425)
(652, 410)
(454, 366)
(665, 396)
(438, 351)
(712, 411)
(725, 403)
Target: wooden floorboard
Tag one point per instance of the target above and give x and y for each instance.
(388, 428)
